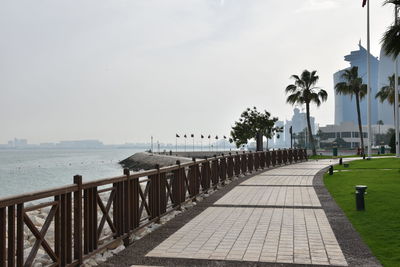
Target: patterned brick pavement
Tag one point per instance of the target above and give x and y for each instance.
(272, 217)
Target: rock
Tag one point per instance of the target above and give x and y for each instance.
(107, 254)
(90, 262)
(37, 221)
(27, 244)
(147, 161)
(100, 258)
(118, 249)
(45, 210)
(116, 245)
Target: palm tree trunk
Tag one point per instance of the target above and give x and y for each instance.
(359, 123)
(310, 135)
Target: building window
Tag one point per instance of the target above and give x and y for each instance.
(365, 135)
(355, 134)
(346, 134)
(328, 135)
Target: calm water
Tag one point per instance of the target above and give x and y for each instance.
(23, 171)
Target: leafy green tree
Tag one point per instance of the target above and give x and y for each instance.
(391, 38)
(353, 86)
(304, 91)
(254, 124)
(387, 93)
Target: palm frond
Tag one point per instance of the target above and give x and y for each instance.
(391, 41)
(291, 88)
(295, 98)
(362, 91)
(394, 2)
(343, 88)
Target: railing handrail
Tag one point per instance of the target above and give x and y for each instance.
(135, 203)
(34, 195)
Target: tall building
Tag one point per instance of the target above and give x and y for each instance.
(345, 106)
(386, 69)
(279, 142)
(298, 124)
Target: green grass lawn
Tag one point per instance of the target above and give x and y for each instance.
(379, 224)
(349, 156)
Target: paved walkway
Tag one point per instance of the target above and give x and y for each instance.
(274, 217)
(282, 216)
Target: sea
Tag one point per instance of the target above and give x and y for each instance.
(28, 170)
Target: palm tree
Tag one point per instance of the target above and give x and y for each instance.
(387, 92)
(391, 38)
(353, 86)
(304, 91)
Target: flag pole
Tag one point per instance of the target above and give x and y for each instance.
(396, 91)
(368, 84)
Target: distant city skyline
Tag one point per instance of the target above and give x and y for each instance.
(122, 71)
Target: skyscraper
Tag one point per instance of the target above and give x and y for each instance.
(386, 69)
(345, 106)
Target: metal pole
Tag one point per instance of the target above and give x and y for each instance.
(396, 91)
(368, 86)
(152, 144)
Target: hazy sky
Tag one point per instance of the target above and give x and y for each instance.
(123, 70)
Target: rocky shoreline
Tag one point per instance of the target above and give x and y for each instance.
(146, 161)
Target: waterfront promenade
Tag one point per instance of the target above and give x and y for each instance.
(280, 216)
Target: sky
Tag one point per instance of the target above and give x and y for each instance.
(124, 70)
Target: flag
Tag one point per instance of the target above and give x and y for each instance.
(290, 130)
(364, 3)
(185, 136)
(177, 136)
(202, 136)
(192, 135)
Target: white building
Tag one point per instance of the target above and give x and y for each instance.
(348, 131)
(298, 123)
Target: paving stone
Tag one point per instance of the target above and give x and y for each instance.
(246, 229)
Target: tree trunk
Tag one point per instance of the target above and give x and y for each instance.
(310, 135)
(259, 140)
(359, 124)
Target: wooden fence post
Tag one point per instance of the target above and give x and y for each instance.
(237, 164)
(154, 194)
(273, 158)
(243, 161)
(222, 169)
(205, 176)
(3, 229)
(230, 166)
(214, 172)
(262, 159)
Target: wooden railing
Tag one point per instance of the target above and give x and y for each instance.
(78, 214)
